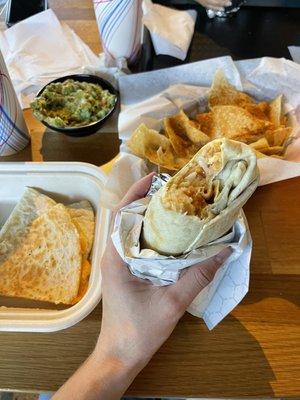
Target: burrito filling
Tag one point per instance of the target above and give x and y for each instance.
(190, 193)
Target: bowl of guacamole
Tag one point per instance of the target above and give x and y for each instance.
(76, 105)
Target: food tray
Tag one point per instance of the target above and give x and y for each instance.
(67, 183)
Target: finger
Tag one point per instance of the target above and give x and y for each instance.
(220, 3)
(196, 278)
(111, 256)
(137, 191)
(214, 8)
(113, 268)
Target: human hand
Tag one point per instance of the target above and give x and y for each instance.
(138, 316)
(216, 5)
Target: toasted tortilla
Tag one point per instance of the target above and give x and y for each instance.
(223, 93)
(202, 201)
(83, 218)
(46, 265)
(236, 123)
(31, 205)
(17, 233)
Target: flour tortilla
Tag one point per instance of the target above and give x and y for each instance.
(31, 205)
(83, 218)
(231, 172)
(47, 263)
(17, 231)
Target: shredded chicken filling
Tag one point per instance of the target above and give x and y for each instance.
(189, 194)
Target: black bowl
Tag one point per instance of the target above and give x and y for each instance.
(93, 127)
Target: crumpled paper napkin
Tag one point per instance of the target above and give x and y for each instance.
(171, 30)
(40, 49)
(295, 53)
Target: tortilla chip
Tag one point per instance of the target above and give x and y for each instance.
(275, 112)
(191, 129)
(157, 148)
(205, 122)
(259, 154)
(144, 140)
(277, 156)
(259, 110)
(223, 93)
(46, 265)
(236, 123)
(269, 151)
(277, 137)
(166, 159)
(177, 134)
(260, 144)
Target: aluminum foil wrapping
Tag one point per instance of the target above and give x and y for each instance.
(157, 182)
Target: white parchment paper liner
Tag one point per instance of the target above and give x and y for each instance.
(151, 96)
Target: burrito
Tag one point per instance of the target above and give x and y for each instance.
(202, 201)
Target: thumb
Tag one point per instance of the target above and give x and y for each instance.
(197, 277)
(137, 191)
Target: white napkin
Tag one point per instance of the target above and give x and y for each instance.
(171, 30)
(40, 49)
(295, 53)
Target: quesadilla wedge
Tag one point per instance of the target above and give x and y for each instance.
(44, 249)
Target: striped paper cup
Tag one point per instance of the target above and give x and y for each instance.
(14, 135)
(120, 26)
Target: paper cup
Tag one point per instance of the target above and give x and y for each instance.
(14, 135)
(120, 26)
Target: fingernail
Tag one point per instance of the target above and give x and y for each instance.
(228, 4)
(223, 255)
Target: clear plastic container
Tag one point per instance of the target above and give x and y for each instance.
(64, 182)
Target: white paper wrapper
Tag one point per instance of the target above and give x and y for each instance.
(40, 49)
(163, 270)
(163, 23)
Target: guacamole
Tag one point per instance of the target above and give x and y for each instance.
(72, 104)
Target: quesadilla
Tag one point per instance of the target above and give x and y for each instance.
(44, 249)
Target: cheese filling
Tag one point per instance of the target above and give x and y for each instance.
(189, 194)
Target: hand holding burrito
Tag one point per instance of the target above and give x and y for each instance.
(202, 201)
